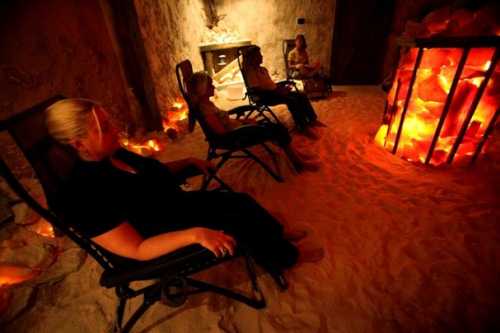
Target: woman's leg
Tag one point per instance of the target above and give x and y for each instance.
(305, 105)
(240, 216)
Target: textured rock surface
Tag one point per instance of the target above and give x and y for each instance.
(267, 22)
(173, 31)
(57, 47)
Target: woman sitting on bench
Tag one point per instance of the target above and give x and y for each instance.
(133, 206)
(260, 81)
(200, 89)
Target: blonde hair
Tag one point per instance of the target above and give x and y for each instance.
(70, 118)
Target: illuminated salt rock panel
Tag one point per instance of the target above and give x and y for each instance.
(443, 102)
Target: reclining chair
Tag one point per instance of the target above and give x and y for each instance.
(170, 274)
(227, 146)
(313, 87)
(254, 95)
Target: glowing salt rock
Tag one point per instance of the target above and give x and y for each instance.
(458, 108)
(43, 228)
(381, 133)
(408, 60)
(437, 20)
(479, 57)
(415, 30)
(462, 16)
(438, 57)
(431, 90)
(13, 274)
(439, 157)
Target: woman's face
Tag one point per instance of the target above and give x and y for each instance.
(102, 139)
(299, 43)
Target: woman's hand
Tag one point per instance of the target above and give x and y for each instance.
(283, 90)
(217, 242)
(206, 167)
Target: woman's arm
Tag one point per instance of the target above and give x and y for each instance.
(125, 241)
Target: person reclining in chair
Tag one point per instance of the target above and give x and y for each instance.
(298, 104)
(200, 89)
(133, 206)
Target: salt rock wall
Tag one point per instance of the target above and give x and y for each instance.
(172, 31)
(57, 47)
(267, 22)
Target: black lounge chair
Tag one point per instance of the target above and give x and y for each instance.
(227, 146)
(313, 87)
(255, 96)
(170, 274)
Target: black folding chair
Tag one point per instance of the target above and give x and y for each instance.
(170, 274)
(255, 96)
(230, 145)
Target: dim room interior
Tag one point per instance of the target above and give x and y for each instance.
(396, 207)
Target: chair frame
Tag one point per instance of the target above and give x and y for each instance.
(253, 94)
(170, 273)
(224, 150)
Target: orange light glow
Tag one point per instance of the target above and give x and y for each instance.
(14, 274)
(429, 94)
(144, 148)
(175, 114)
(43, 228)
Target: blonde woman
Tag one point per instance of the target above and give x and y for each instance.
(133, 206)
(201, 88)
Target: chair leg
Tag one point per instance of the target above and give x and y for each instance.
(119, 311)
(207, 180)
(268, 109)
(256, 303)
(273, 157)
(276, 177)
(150, 298)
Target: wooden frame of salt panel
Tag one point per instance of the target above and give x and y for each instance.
(437, 109)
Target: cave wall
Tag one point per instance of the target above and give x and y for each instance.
(58, 47)
(173, 30)
(267, 22)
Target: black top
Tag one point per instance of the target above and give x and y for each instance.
(98, 196)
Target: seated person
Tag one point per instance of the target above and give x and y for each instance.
(200, 89)
(133, 206)
(298, 61)
(258, 78)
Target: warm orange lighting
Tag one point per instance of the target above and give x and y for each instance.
(176, 114)
(14, 274)
(381, 133)
(43, 228)
(145, 148)
(430, 91)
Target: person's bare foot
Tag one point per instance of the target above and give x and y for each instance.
(317, 123)
(307, 166)
(305, 156)
(295, 235)
(310, 253)
(309, 133)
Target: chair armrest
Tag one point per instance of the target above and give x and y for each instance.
(287, 83)
(240, 110)
(185, 261)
